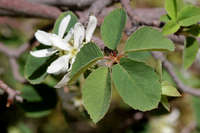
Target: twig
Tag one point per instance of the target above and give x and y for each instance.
(78, 3)
(94, 9)
(129, 10)
(12, 94)
(139, 16)
(15, 70)
(26, 8)
(13, 54)
(169, 67)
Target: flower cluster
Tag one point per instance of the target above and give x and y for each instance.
(66, 47)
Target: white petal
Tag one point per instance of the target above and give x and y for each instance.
(72, 62)
(63, 81)
(60, 65)
(43, 37)
(69, 35)
(59, 43)
(43, 52)
(79, 34)
(63, 25)
(91, 28)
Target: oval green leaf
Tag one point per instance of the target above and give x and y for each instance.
(112, 28)
(35, 107)
(88, 55)
(96, 93)
(165, 103)
(170, 28)
(148, 39)
(169, 90)
(140, 56)
(30, 94)
(190, 51)
(137, 84)
(189, 15)
(171, 8)
(35, 68)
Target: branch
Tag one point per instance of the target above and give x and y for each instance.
(12, 94)
(169, 67)
(25, 8)
(78, 3)
(6, 13)
(94, 9)
(13, 54)
(15, 70)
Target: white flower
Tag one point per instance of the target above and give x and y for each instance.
(59, 43)
(79, 35)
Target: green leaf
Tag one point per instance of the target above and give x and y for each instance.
(147, 38)
(193, 30)
(38, 114)
(171, 8)
(96, 93)
(180, 5)
(72, 22)
(112, 28)
(190, 51)
(88, 55)
(30, 94)
(35, 68)
(165, 103)
(169, 90)
(165, 18)
(137, 84)
(39, 108)
(170, 28)
(189, 15)
(139, 56)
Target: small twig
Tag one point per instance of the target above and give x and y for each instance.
(94, 9)
(13, 55)
(14, 52)
(15, 70)
(12, 94)
(26, 8)
(129, 10)
(169, 67)
(78, 3)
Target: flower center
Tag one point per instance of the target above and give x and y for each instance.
(74, 51)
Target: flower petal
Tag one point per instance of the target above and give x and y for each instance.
(43, 37)
(72, 62)
(63, 25)
(91, 28)
(43, 52)
(69, 35)
(60, 65)
(59, 43)
(79, 34)
(63, 81)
